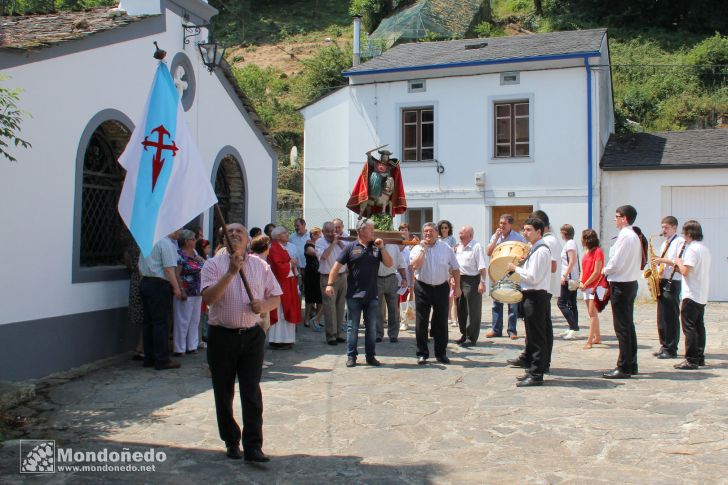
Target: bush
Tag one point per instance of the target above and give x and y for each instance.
(711, 60)
(322, 73)
(291, 178)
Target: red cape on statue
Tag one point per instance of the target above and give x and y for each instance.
(280, 264)
(360, 194)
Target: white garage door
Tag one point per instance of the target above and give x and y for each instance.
(709, 206)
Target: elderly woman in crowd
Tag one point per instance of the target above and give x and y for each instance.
(284, 320)
(187, 309)
(311, 286)
(444, 230)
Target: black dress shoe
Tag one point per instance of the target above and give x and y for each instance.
(461, 340)
(379, 339)
(519, 362)
(701, 363)
(530, 381)
(332, 342)
(234, 452)
(465, 345)
(351, 361)
(170, 364)
(421, 360)
(393, 340)
(148, 363)
(340, 340)
(257, 456)
(686, 365)
(373, 361)
(616, 374)
(443, 360)
(666, 355)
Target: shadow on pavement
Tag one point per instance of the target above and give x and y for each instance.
(596, 383)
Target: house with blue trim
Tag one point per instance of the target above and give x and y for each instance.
(482, 127)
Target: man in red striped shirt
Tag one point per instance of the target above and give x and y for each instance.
(236, 340)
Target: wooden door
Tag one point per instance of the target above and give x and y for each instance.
(519, 212)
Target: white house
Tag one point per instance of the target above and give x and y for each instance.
(683, 174)
(481, 126)
(85, 78)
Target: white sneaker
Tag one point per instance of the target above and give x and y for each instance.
(572, 335)
(564, 333)
(267, 364)
(403, 326)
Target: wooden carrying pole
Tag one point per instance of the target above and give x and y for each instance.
(229, 246)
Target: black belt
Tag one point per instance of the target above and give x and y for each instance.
(533, 292)
(155, 278)
(432, 286)
(323, 274)
(387, 276)
(235, 330)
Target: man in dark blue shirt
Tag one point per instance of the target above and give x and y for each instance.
(362, 257)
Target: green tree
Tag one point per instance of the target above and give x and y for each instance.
(10, 118)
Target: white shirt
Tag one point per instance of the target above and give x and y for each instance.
(298, 242)
(625, 257)
(536, 271)
(471, 258)
(512, 236)
(325, 265)
(439, 260)
(555, 247)
(695, 284)
(399, 263)
(676, 244)
(570, 245)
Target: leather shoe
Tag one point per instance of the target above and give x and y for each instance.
(373, 361)
(658, 352)
(351, 361)
(148, 363)
(257, 456)
(461, 340)
(421, 360)
(492, 334)
(517, 363)
(666, 355)
(340, 340)
(616, 374)
(332, 342)
(686, 365)
(530, 381)
(234, 452)
(379, 339)
(443, 360)
(393, 340)
(701, 363)
(467, 344)
(513, 336)
(521, 377)
(170, 364)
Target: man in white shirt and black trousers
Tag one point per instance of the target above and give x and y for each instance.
(622, 271)
(535, 284)
(668, 303)
(433, 262)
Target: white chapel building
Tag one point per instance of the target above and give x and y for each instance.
(85, 78)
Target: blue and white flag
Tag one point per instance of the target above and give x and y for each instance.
(166, 183)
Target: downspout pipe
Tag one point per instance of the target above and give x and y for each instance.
(590, 130)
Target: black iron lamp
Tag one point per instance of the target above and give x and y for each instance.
(211, 52)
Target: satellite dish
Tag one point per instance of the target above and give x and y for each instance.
(294, 156)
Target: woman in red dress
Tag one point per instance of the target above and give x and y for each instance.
(591, 278)
(284, 320)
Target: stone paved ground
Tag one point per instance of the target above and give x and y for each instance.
(463, 423)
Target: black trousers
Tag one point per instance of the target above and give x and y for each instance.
(668, 316)
(156, 296)
(470, 306)
(232, 354)
(536, 304)
(693, 324)
(622, 301)
(567, 305)
(428, 297)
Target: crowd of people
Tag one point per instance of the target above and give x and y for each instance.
(250, 293)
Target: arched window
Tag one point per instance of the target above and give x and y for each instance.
(103, 234)
(230, 191)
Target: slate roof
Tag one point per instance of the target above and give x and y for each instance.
(454, 52)
(672, 149)
(44, 30)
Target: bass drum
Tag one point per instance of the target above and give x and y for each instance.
(506, 291)
(504, 253)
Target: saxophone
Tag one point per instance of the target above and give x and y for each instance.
(652, 274)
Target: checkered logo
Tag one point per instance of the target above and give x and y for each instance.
(37, 456)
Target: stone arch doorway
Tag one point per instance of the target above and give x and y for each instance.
(104, 236)
(230, 192)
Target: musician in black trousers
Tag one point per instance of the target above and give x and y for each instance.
(622, 271)
(535, 283)
(668, 302)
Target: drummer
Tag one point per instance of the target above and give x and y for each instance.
(535, 283)
(504, 233)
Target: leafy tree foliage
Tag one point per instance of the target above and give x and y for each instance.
(10, 118)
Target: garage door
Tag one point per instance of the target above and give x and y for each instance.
(709, 206)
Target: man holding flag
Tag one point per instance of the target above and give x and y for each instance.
(164, 189)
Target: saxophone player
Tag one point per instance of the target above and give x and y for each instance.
(668, 302)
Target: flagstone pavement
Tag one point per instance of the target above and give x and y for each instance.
(403, 423)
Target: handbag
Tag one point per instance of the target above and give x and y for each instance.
(601, 302)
